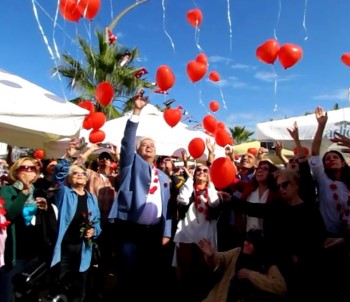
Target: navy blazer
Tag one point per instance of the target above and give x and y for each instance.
(135, 181)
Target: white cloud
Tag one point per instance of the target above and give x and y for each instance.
(241, 66)
(340, 94)
(271, 77)
(218, 59)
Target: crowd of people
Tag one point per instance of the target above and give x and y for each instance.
(83, 230)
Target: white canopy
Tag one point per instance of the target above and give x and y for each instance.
(338, 121)
(31, 116)
(169, 141)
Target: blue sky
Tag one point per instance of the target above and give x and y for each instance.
(229, 38)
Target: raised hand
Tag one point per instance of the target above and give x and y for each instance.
(294, 132)
(321, 116)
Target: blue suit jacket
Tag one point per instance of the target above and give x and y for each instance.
(135, 181)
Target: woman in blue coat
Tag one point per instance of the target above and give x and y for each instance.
(79, 225)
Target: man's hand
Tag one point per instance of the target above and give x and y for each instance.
(139, 102)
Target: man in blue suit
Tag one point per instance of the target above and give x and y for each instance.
(141, 214)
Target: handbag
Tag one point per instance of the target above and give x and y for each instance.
(96, 254)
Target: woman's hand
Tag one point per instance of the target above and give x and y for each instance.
(206, 247)
(89, 233)
(321, 116)
(41, 203)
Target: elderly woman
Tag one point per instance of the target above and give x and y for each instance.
(201, 197)
(29, 217)
(295, 232)
(79, 224)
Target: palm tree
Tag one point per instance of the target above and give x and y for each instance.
(103, 65)
(240, 134)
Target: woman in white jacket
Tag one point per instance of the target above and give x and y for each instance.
(200, 196)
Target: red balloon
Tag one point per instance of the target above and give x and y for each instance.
(194, 17)
(202, 58)
(253, 151)
(88, 105)
(172, 116)
(214, 76)
(98, 119)
(289, 54)
(104, 93)
(69, 10)
(87, 122)
(346, 58)
(209, 123)
(96, 136)
(165, 78)
(268, 51)
(89, 8)
(223, 172)
(113, 166)
(196, 147)
(220, 125)
(39, 154)
(222, 138)
(196, 71)
(214, 106)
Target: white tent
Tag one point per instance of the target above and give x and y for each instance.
(338, 121)
(31, 116)
(169, 141)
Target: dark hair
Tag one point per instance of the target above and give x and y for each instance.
(344, 171)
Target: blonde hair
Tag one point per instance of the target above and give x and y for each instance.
(19, 162)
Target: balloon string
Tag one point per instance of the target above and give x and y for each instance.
(54, 34)
(164, 29)
(229, 23)
(111, 5)
(200, 98)
(275, 76)
(223, 99)
(196, 38)
(42, 31)
(52, 19)
(304, 21)
(278, 19)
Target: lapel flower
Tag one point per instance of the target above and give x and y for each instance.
(333, 186)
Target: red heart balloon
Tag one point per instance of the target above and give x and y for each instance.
(202, 58)
(194, 17)
(222, 138)
(165, 78)
(172, 116)
(223, 172)
(196, 71)
(196, 147)
(214, 106)
(346, 58)
(289, 54)
(98, 119)
(87, 122)
(88, 105)
(97, 136)
(305, 151)
(104, 93)
(209, 123)
(39, 154)
(89, 8)
(268, 51)
(214, 76)
(69, 10)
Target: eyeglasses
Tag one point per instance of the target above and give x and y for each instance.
(75, 173)
(202, 170)
(283, 185)
(27, 168)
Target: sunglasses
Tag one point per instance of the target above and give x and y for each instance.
(283, 185)
(75, 173)
(27, 168)
(202, 170)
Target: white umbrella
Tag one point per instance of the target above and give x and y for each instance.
(31, 116)
(169, 140)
